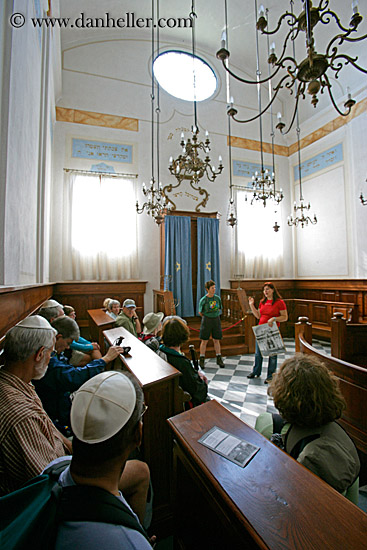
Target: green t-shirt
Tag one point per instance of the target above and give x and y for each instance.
(210, 307)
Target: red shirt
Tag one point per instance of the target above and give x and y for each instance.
(270, 309)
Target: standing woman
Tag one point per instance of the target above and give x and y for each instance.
(271, 309)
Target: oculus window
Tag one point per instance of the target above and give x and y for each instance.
(184, 76)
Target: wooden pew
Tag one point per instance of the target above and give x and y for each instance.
(164, 397)
(98, 322)
(272, 503)
(320, 313)
(353, 385)
(349, 340)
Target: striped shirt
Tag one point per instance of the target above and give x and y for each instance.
(28, 438)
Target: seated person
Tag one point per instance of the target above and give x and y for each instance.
(81, 352)
(308, 397)
(28, 438)
(113, 308)
(175, 332)
(107, 420)
(152, 326)
(128, 318)
(51, 310)
(62, 378)
(105, 302)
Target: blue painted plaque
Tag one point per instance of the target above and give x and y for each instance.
(247, 169)
(319, 162)
(101, 151)
(103, 168)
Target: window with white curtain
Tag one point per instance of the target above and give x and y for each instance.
(259, 249)
(103, 236)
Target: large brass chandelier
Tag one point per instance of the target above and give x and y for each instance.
(156, 204)
(311, 74)
(194, 161)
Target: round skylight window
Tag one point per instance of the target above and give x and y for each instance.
(184, 76)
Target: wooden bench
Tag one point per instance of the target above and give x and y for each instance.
(320, 313)
(164, 397)
(99, 321)
(272, 503)
(353, 385)
(349, 340)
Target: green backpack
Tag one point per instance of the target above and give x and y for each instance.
(33, 512)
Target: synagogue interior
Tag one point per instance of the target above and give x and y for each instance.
(128, 178)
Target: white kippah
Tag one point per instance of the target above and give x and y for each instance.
(102, 406)
(35, 322)
(50, 303)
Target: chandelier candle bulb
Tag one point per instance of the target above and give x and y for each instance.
(272, 48)
(355, 7)
(261, 11)
(223, 39)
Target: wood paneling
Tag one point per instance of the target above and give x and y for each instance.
(16, 303)
(91, 294)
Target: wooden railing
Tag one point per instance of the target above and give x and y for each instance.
(353, 385)
(163, 301)
(320, 313)
(348, 340)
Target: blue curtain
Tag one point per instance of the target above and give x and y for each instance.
(208, 256)
(177, 267)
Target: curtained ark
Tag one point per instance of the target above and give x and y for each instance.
(208, 255)
(178, 263)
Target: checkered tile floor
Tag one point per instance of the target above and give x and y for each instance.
(246, 398)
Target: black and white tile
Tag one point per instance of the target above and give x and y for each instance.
(246, 398)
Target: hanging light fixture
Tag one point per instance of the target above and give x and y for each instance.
(303, 219)
(189, 165)
(362, 199)
(232, 211)
(312, 74)
(263, 184)
(156, 204)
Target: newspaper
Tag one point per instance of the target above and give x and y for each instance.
(269, 339)
(230, 446)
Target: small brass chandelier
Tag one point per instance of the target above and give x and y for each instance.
(303, 219)
(156, 204)
(312, 74)
(189, 165)
(362, 199)
(232, 211)
(263, 183)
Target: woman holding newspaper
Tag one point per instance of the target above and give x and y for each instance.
(272, 309)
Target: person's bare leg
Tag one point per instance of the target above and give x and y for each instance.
(134, 485)
(217, 346)
(203, 344)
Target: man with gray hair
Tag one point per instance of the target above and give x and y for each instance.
(28, 438)
(62, 378)
(106, 417)
(50, 310)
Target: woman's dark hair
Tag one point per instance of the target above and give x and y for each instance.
(306, 393)
(175, 332)
(276, 295)
(68, 310)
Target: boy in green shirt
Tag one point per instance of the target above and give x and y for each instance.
(210, 307)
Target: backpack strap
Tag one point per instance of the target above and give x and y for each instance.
(300, 444)
(89, 503)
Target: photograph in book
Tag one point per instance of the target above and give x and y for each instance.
(269, 339)
(230, 446)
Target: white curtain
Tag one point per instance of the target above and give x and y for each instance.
(258, 249)
(99, 237)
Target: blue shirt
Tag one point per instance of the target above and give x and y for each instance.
(96, 535)
(60, 380)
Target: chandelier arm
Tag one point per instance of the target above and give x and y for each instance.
(280, 20)
(334, 15)
(276, 89)
(201, 192)
(351, 60)
(328, 85)
(244, 80)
